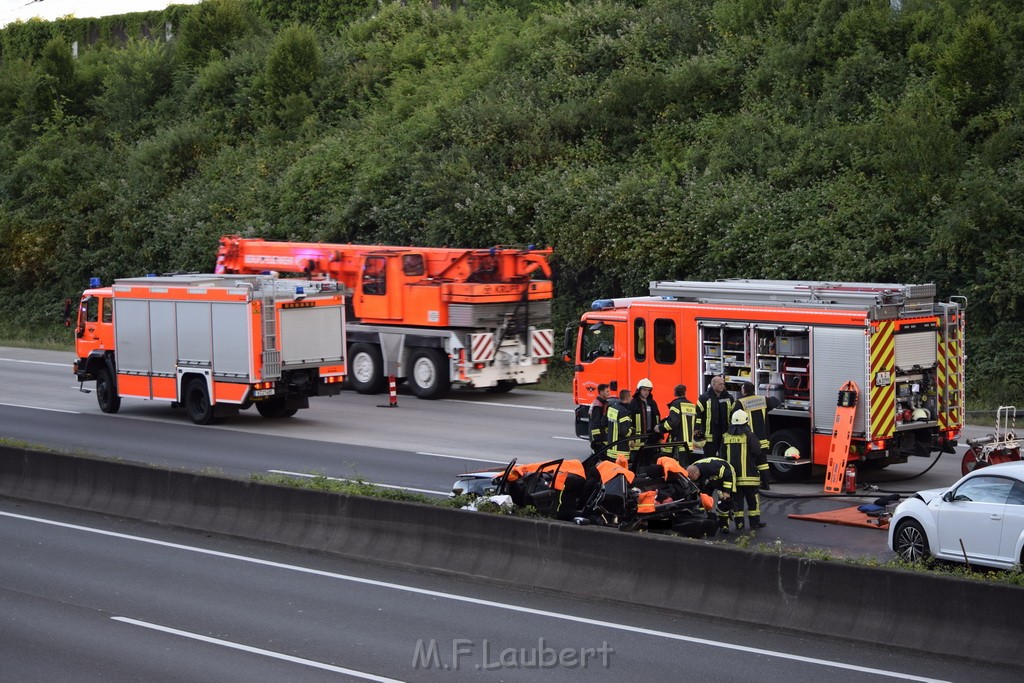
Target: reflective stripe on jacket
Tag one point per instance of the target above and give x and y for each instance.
(757, 409)
(743, 452)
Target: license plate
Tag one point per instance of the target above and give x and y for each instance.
(263, 392)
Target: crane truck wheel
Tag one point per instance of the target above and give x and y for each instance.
(781, 441)
(429, 377)
(366, 368)
(106, 392)
(197, 403)
(275, 408)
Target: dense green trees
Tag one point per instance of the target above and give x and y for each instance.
(643, 139)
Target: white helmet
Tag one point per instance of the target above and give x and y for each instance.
(644, 384)
(792, 453)
(920, 415)
(740, 417)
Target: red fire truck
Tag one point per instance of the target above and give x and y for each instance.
(797, 342)
(212, 343)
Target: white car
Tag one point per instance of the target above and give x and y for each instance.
(979, 519)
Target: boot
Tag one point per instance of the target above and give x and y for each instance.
(756, 523)
(739, 525)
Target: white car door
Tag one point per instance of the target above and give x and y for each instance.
(1013, 525)
(975, 517)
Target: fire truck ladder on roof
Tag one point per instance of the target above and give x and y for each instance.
(268, 319)
(885, 299)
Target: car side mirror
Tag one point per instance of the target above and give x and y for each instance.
(947, 496)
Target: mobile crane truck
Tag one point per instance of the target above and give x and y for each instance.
(797, 342)
(215, 344)
(432, 316)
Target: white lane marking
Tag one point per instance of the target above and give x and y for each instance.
(255, 650)
(306, 475)
(508, 405)
(476, 601)
(461, 457)
(50, 410)
(36, 362)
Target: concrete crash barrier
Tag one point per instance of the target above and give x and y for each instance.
(906, 609)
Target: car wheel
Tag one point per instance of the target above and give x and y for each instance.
(106, 392)
(429, 375)
(275, 408)
(782, 440)
(197, 403)
(910, 542)
(366, 368)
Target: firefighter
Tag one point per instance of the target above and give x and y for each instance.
(715, 474)
(679, 426)
(712, 418)
(599, 423)
(757, 408)
(620, 427)
(743, 451)
(646, 418)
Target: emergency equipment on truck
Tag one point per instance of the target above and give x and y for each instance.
(212, 343)
(797, 342)
(432, 316)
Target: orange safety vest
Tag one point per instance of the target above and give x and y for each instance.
(646, 502)
(609, 470)
(568, 467)
(670, 466)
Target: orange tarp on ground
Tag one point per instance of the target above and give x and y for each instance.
(850, 516)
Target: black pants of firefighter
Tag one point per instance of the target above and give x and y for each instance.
(746, 496)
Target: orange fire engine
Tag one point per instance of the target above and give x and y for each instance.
(433, 316)
(213, 343)
(797, 342)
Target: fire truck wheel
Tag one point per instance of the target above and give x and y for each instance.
(197, 403)
(782, 440)
(503, 386)
(275, 408)
(366, 368)
(429, 375)
(106, 392)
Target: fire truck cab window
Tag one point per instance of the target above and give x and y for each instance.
(108, 310)
(92, 309)
(598, 342)
(412, 265)
(664, 341)
(640, 340)
(375, 276)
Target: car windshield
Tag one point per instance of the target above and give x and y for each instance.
(985, 490)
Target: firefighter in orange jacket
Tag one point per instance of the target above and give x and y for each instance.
(743, 451)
